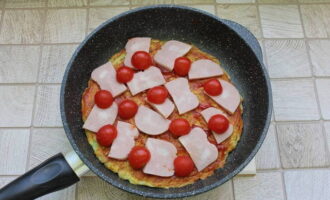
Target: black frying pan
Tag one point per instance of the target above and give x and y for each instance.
(236, 48)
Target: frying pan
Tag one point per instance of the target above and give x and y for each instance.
(236, 48)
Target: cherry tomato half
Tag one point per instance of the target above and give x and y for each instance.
(138, 157)
(106, 135)
(157, 94)
(141, 60)
(183, 166)
(127, 109)
(182, 66)
(218, 123)
(213, 87)
(124, 74)
(103, 99)
(179, 127)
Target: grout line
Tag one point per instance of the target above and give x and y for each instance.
(232, 187)
(87, 20)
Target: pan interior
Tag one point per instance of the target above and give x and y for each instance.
(187, 25)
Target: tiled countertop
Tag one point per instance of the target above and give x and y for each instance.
(37, 38)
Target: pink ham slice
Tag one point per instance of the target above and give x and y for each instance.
(183, 98)
(162, 157)
(204, 68)
(99, 117)
(170, 51)
(207, 114)
(149, 78)
(229, 99)
(105, 76)
(133, 45)
(201, 151)
(124, 142)
(165, 108)
(150, 122)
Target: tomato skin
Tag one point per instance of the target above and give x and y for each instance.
(218, 123)
(141, 60)
(182, 66)
(106, 135)
(157, 94)
(127, 109)
(138, 157)
(183, 166)
(179, 127)
(103, 99)
(213, 87)
(124, 74)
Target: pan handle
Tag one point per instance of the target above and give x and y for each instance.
(248, 37)
(56, 173)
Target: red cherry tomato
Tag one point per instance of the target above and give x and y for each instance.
(218, 123)
(182, 66)
(141, 60)
(157, 94)
(138, 157)
(106, 135)
(183, 166)
(213, 87)
(179, 127)
(124, 74)
(127, 109)
(103, 99)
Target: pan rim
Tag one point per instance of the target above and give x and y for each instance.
(160, 194)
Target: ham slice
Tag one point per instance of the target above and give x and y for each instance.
(99, 117)
(170, 51)
(133, 45)
(183, 98)
(124, 142)
(105, 76)
(207, 114)
(165, 108)
(149, 78)
(201, 151)
(204, 68)
(150, 122)
(229, 99)
(162, 157)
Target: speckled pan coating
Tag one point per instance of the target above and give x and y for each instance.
(235, 47)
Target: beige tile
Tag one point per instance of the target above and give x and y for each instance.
(280, 21)
(207, 8)
(54, 61)
(327, 134)
(235, 1)
(21, 26)
(192, 1)
(16, 105)
(323, 90)
(64, 194)
(14, 145)
(26, 3)
(294, 100)
(99, 15)
(277, 1)
(65, 25)
(287, 58)
(95, 188)
(247, 15)
(263, 186)
(47, 113)
(146, 2)
(320, 55)
(302, 145)
(19, 64)
(267, 156)
(66, 3)
(108, 3)
(307, 184)
(316, 20)
(47, 142)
